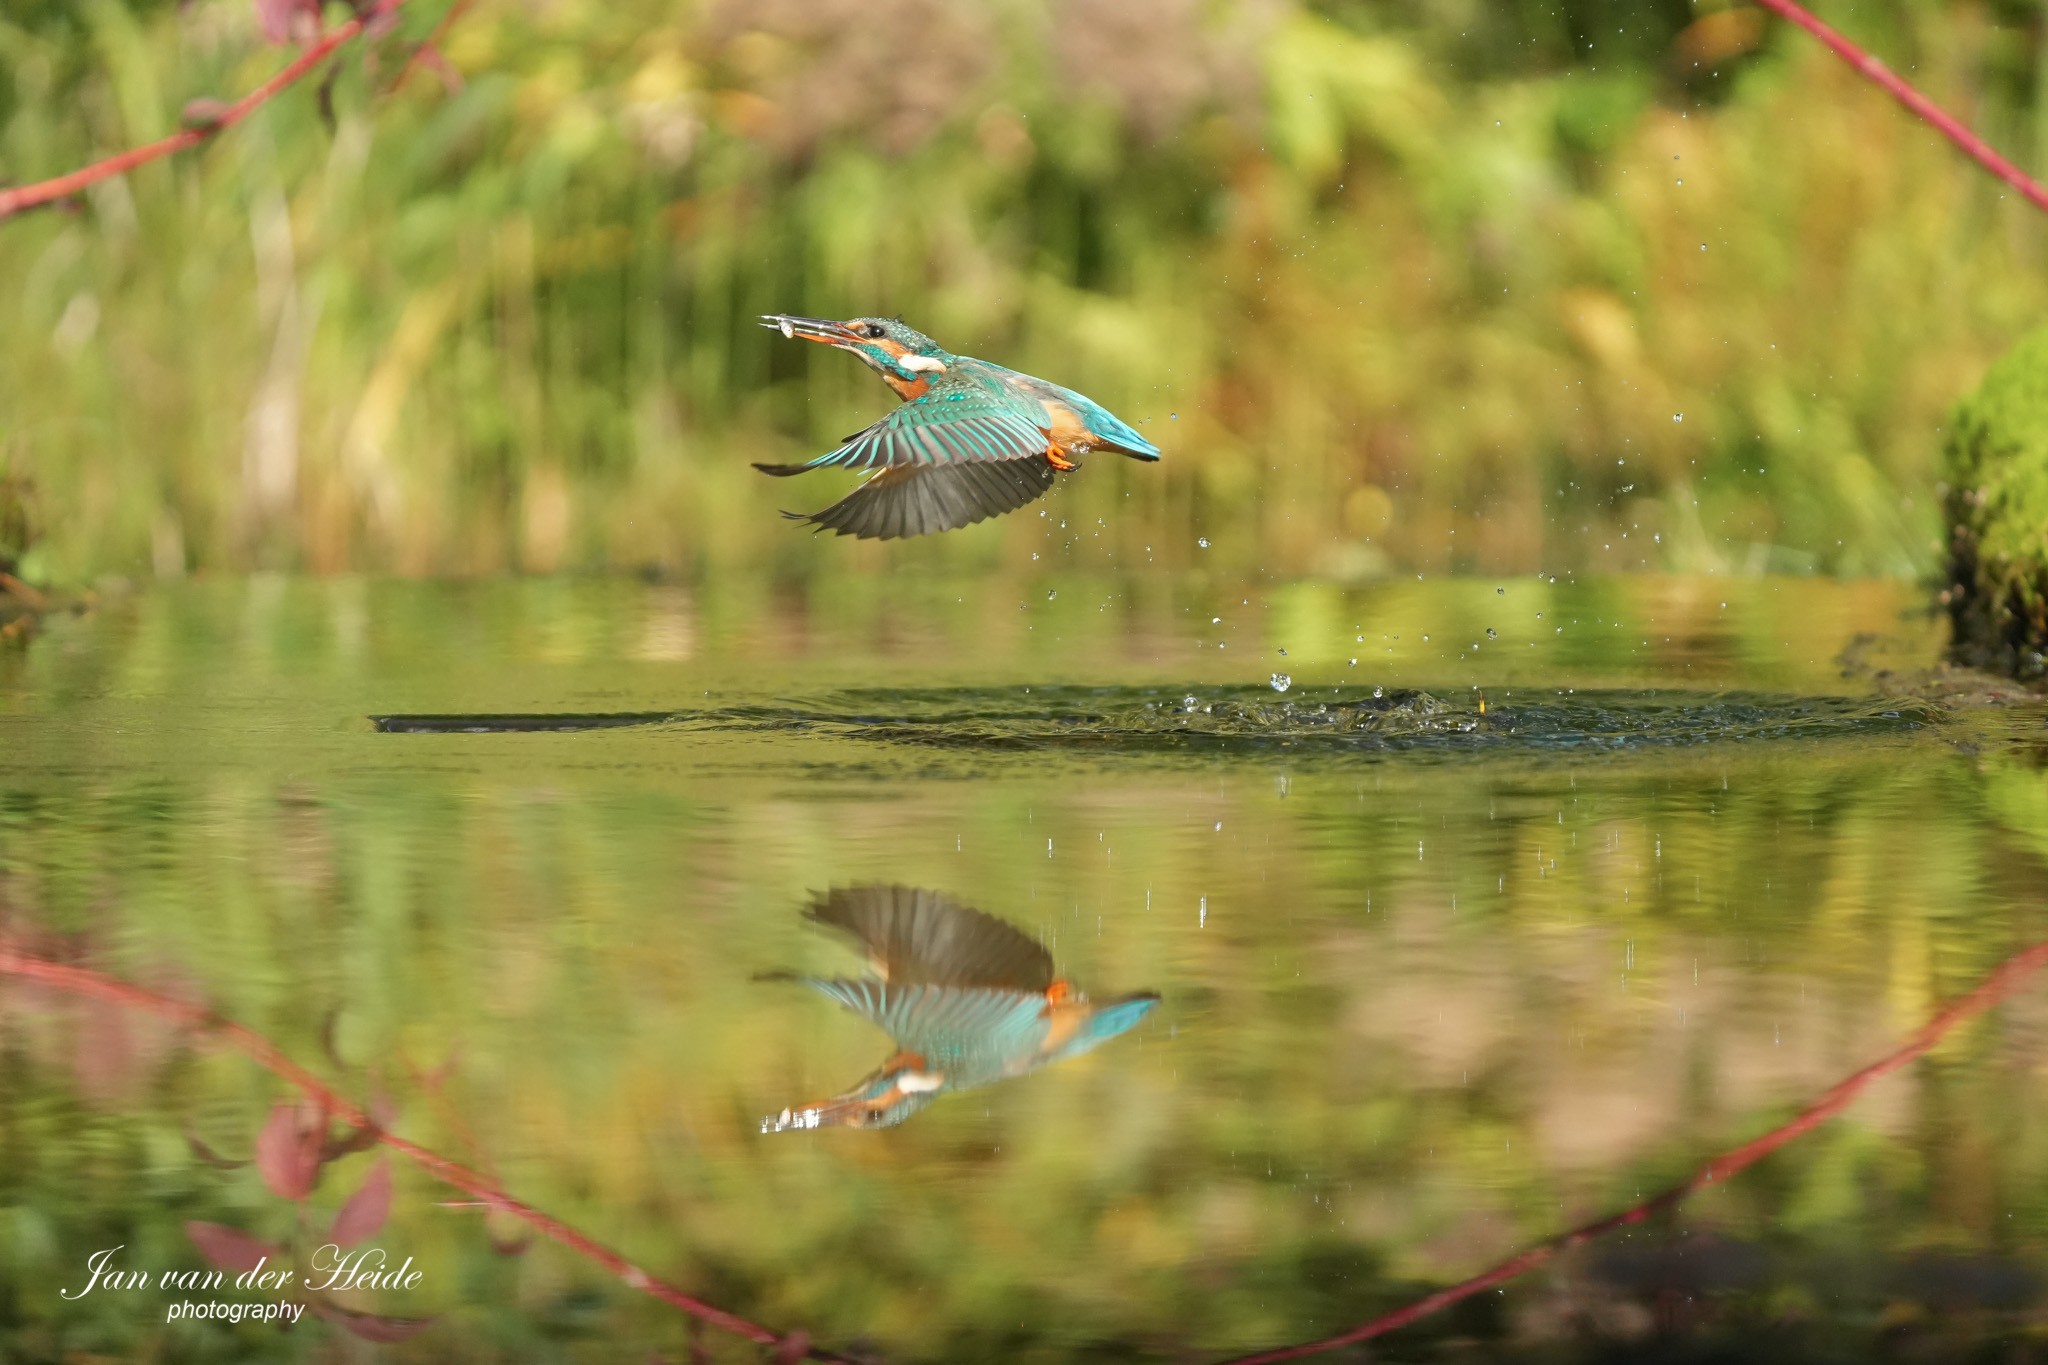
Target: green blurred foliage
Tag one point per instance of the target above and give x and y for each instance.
(1491, 286)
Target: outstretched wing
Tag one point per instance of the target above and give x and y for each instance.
(960, 423)
(917, 937)
(915, 500)
(977, 1031)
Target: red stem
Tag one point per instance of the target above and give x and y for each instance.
(266, 1054)
(2002, 982)
(27, 197)
(1944, 122)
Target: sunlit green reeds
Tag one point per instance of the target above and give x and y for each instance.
(1388, 297)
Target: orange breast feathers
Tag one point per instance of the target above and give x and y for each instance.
(1068, 431)
(1066, 1009)
(906, 389)
(1066, 436)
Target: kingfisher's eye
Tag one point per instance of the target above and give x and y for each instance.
(873, 330)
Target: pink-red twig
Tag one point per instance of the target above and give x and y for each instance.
(25, 197)
(266, 1054)
(2007, 978)
(1944, 122)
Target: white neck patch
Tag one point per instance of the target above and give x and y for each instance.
(916, 363)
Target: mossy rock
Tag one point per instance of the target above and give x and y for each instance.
(1996, 473)
(14, 528)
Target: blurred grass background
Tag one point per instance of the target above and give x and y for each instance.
(1498, 287)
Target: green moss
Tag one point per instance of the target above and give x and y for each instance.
(14, 527)
(1996, 469)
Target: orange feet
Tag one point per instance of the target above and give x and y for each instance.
(1057, 458)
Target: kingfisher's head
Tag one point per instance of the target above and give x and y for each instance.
(891, 348)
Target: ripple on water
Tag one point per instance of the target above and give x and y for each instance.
(1153, 720)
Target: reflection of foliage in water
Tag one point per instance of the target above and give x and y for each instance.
(1376, 274)
(1412, 1010)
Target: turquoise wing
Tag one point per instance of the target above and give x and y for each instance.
(952, 424)
(971, 1030)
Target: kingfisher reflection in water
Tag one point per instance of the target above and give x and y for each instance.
(967, 998)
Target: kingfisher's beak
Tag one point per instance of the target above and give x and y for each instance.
(883, 1100)
(844, 1112)
(810, 329)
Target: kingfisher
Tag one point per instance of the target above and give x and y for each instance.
(972, 440)
(968, 999)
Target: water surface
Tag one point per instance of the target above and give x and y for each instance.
(1519, 902)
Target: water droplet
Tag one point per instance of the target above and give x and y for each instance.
(1189, 703)
(1425, 639)
(1379, 692)
(1492, 634)
(1215, 620)
(1499, 591)
(1202, 541)
(1678, 417)
(1283, 653)
(1173, 417)
(1281, 682)
(1055, 592)
(1354, 663)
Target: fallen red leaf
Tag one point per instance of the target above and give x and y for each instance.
(228, 1248)
(289, 1147)
(281, 18)
(366, 1209)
